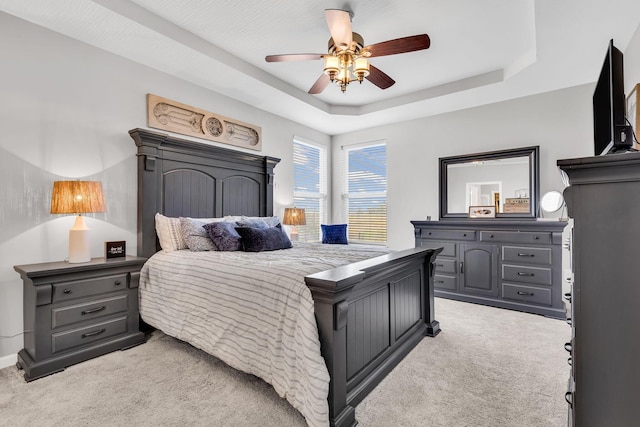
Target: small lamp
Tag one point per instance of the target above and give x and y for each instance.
(78, 197)
(294, 217)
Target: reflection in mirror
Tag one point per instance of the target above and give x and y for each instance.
(506, 180)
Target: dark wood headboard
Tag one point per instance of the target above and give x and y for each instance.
(179, 177)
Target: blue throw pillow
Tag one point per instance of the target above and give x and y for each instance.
(224, 235)
(334, 234)
(263, 239)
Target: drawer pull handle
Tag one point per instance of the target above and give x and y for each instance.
(491, 236)
(117, 282)
(527, 255)
(569, 321)
(439, 281)
(570, 361)
(567, 296)
(464, 235)
(568, 347)
(529, 294)
(568, 396)
(520, 273)
(93, 310)
(462, 267)
(94, 333)
(439, 265)
(66, 291)
(536, 237)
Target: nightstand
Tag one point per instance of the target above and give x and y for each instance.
(75, 312)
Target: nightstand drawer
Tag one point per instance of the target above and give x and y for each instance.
(526, 255)
(78, 337)
(519, 273)
(81, 288)
(528, 294)
(89, 310)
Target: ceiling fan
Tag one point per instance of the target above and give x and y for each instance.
(347, 57)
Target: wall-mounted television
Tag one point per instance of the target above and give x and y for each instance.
(611, 132)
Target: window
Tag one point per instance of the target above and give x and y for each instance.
(310, 187)
(365, 192)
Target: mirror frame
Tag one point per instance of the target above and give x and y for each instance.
(533, 153)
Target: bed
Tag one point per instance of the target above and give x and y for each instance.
(368, 314)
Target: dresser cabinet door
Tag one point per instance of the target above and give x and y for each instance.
(479, 269)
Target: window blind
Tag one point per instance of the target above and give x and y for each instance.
(366, 193)
(310, 187)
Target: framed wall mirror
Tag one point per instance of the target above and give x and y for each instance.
(506, 180)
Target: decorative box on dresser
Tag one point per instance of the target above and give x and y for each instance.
(513, 264)
(604, 201)
(74, 312)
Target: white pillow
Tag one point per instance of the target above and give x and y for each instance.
(169, 234)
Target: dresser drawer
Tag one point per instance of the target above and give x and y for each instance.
(520, 273)
(465, 235)
(81, 288)
(62, 316)
(526, 255)
(448, 248)
(82, 336)
(444, 265)
(449, 283)
(527, 294)
(515, 237)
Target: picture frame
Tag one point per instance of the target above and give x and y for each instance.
(633, 112)
(482, 211)
(117, 249)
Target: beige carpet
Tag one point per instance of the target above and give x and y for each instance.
(489, 367)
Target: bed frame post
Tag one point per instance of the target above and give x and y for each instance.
(331, 310)
(433, 326)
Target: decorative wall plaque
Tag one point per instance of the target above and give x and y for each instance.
(165, 114)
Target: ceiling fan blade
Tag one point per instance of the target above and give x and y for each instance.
(294, 57)
(401, 45)
(320, 84)
(379, 78)
(339, 22)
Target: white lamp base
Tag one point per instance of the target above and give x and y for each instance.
(79, 249)
(294, 233)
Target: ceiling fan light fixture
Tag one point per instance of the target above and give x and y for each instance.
(347, 58)
(361, 68)
(331, 66)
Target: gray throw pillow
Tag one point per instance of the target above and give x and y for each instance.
(224, 235)
(195, 236)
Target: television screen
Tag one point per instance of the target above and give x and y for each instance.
(610, 130)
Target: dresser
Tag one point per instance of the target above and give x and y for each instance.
(74, 312)
(513, 264)
(604, 377)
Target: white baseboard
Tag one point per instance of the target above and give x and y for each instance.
(9, 360)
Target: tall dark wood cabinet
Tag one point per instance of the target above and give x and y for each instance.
(604, 201)
(514, 264)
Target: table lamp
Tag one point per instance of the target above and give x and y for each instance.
(78, 197)
(294, 217)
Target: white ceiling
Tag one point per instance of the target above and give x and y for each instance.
(482, 51)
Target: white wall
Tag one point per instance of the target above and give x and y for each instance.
(559, 122)
(65, 113)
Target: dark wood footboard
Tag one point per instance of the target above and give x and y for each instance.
(370, 315)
